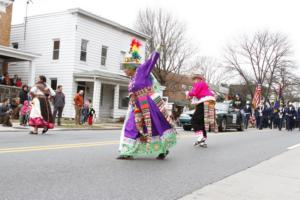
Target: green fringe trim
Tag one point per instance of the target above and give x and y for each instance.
(155, 148)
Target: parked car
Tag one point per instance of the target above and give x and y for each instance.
(227, 118)
(185, 120)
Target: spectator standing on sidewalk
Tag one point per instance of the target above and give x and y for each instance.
(5, 113)
(58, 104)
(24, 94)
(78, 103)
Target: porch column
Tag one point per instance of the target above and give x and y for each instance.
(31, 79)
(116, 100)
(4, 67)
(96, 97)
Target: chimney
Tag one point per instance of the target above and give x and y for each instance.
(5, 24)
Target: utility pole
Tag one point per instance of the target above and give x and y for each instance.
(25, 23)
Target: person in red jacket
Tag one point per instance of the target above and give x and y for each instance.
(78, 103)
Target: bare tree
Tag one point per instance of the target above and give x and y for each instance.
(287, 81)
(257, 59)
(167, 31)
(213, 71)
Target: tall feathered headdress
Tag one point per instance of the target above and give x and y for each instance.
(133, 58)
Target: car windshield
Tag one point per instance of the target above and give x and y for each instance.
(222, 107)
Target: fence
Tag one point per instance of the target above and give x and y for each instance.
(9, 92)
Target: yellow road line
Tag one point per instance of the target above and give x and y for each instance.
(64, 146)
(53, 147)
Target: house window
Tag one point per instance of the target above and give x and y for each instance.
(56, 45)
(53, 83)
(83, 50)
(15, 45)
(103, 55)
(123, 53)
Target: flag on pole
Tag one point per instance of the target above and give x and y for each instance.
(257, 96)
(279, 98)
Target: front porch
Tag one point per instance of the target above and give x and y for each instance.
(10, 55)
(107, 91)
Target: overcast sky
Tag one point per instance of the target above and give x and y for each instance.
(211, 24)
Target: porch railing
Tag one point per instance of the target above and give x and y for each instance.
(9, 92)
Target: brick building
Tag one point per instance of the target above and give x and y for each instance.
(5, 28)
(175, 88)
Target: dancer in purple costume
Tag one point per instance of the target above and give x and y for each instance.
(148, 129)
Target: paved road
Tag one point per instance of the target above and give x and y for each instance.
(82, 165)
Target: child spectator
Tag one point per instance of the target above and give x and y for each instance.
(91, 113)
(85, 112)
(24, 113)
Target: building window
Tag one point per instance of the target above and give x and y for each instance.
(53, 83)
(56, 45)
(103, 55)
(15, 45)
(123, 54)
(83, 50)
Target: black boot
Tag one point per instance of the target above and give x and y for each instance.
(58, 122)
(44, 130)
(125, 157)
(162, 156)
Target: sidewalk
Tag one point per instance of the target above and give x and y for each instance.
(274, 179)
(66, 127)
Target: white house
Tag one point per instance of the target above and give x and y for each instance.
(79, 50)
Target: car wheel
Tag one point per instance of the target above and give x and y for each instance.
(187, 128)
(241, 128)
(223, 125)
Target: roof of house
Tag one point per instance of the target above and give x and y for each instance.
(102, 75)
(11, 55)
(108, 22)
(95, 17)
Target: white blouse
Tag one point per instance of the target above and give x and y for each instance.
(37, 91)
